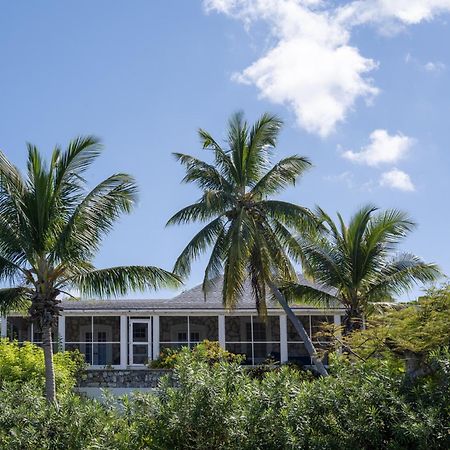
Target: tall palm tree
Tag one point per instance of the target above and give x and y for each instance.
(250, 234)
(360, 262)
(51, 227)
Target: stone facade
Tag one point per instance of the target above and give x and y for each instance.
(143, 378)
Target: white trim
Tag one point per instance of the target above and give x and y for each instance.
(4, 326)
(123, 342)
(148, 343)
(155, 330)
(195, 312)
(62, 331)
(283, 339)
(222, 331)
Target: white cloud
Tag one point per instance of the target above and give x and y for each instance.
(390, 15)
(382, 149)
(397, 179)
(435, 67)
(312, 67)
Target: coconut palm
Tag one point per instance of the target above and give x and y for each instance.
(249, 233)
(360, 262)
(51, 227)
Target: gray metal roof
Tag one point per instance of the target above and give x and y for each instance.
(192, 299)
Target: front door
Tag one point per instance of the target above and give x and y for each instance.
(140, 341)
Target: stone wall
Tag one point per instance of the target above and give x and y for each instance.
(116, 378)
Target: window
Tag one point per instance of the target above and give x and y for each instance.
(179, 331)
(296, 348)
(23, 330)
(98, 338)
(257, 339)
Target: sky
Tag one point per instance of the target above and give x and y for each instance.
(363, 88)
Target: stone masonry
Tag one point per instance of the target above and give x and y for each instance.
(115, 378)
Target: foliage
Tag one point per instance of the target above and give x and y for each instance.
(364, 406)
(28, 422)
(23, 363)
(358, 261)
(249, 233)
(409, 330)
(251, 236)
(51, 227)
(208, 351)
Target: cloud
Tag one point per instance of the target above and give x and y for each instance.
(397, 179)
(344, 177)
(382, 149)
(311, 66)
(391, 15)
(435, 67)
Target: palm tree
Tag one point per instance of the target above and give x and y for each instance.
(50, 230)
(249, 233)
(359, 261)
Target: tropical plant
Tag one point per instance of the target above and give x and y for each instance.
(208, 351)
(359, 261)
(250, 234)
(24, 363)
(51, 227)
(410, 332)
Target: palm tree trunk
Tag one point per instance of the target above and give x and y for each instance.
(353, 321)
(300, 329)
(50, 390)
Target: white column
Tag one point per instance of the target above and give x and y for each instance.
(283, 339)
(222, 331)
(155, 337)
(3, 330)
(123, 342)
(62, 332)
(337, 326)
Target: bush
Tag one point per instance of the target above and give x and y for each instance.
(219, 405)
(28, 422)
(208, 351)
(21, 363)
(360, 406)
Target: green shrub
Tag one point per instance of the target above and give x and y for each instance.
(20, 363)
(28, 422)
(208, 351)
(368, 405)
(219, 405)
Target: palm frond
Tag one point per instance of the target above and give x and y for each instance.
(95, 216)
(281, 175)
(116, 281)
(200, 211)
(261, 138)
(304, 294)
(13, 299)
(198, 245)
(289, 214)
(236, 261)
(400, 274)
(204, 175)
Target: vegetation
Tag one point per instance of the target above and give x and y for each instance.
(369, 405)
(409, 333)
(250, 234)
(359, 262)
(24, 363)
(208, 351)
(51, 227)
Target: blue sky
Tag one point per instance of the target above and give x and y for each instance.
(363, 88)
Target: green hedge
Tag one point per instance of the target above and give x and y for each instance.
(221, 406)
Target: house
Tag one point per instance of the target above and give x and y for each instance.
(128, 333)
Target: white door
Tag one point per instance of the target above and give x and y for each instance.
(140, 350)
